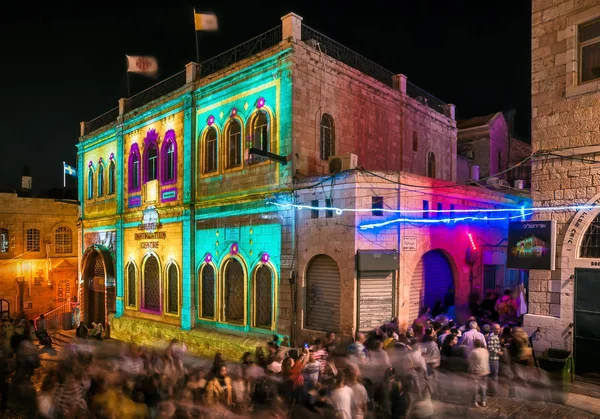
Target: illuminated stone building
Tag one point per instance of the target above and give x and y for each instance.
(38, 254)
(180, 235)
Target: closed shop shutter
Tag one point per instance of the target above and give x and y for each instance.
(430, 282)
(323, 294)
(376, 299)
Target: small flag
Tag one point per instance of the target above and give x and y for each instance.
(142, 65)
(69, 170)
(205, 21)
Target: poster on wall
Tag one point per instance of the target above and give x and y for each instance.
(531, 245)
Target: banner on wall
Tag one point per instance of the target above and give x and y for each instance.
(531, 245)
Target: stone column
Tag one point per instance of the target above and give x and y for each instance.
(81, 129)
(450, 111)
(191, 72)
(291, 26)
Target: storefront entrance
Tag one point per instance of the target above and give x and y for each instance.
(587, 323)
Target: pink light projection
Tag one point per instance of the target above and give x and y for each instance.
(260, 102)
(264, 258)
(210, 120)
(234, 249)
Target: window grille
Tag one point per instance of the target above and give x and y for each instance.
(151, 284)
(590, 245)
(260, 135)
(111, 178)
(170, 172)
(211, 151)
(63, 240)
(100, 180)
(131, 284)
(234, 291)
(263, 301)
(152, 161)
(33, 240)
(173, 287)
(327, 145)
(235, 145)
(208, 291)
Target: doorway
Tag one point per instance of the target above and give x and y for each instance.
(99, 292)
(586, 343)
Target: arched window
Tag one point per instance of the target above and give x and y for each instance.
(234, 146)
(4, 240)
(90, 184)
(151, 296)
(430, 164)
(263, 297)
(134, 169)
(100, 180)
(111, 178)
(33, 240)
(323, 294)
(172, 287)
(415, 141)
(210, 151)
(169, 158)
(260, 135)
(327, 144)
(63, 240)
(151, 163)
(131, 285)
(206, 289)
(590, 244)
(234, 301)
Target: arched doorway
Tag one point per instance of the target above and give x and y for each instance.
(99, 290)
(430, 282)
(323, 294)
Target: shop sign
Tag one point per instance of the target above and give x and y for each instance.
(149, 245)
(409, 243)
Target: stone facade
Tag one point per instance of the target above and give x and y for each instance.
(38, 253)
(566, 138)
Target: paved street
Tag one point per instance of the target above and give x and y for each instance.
(578, 406)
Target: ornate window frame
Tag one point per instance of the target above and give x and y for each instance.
(274, 293)
(332, 145)
(54, 236)
(271, 131)
(222, 287)
(137, 279)
(100, 180)
(225, 145)
(166, 289)
(203, 157)
(150, 141)
(112, 178)
(200, 287)
(169, 139)
(571, 57)
(91, 183)
(142, 302)
(134, 152)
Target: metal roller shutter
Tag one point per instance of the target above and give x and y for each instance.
(430, 282)
(323, 294)
(376, 299)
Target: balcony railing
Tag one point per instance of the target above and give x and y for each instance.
(425, 98)
(336, 50)
(102, 120)
(249, 48)
(158, 90)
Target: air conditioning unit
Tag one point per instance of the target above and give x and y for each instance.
(342, 163)
(468, 154)
(151, 191)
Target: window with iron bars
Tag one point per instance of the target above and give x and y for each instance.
(33, 240)
(63, 240)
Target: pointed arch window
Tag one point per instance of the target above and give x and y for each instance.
(131, 285)
(63, 240)
(151, 288)
(260, 134)
(431, 164)
(169, 158)
(590, 244)
(234, 144)
(234, 300)
(172, 287)
(206, 290)
(111, 178)
(90, 184)
(327, 140)
(134, 169)
(262, 305)
(100, 180)
(151, 163)
(210, 151)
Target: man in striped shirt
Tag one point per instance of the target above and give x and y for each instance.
(495, 350)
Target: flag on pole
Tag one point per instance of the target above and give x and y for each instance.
(69, 170)
(205, 21)
(142, 65)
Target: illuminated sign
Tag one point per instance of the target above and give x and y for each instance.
(531, 245)
(150, 220)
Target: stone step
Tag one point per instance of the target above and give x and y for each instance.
(586, 388)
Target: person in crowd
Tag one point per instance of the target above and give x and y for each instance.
(219, 389)
(359, 394)
(82, 331)
(495, 351)
(488, 306)
(342, 398)
(430, 351)
(506, 306)
(479, 368)
(468, 338)
(357, 351)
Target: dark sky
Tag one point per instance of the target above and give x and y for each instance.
(66, 63)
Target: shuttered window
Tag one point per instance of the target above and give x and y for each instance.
(376, 298)
(323, 294)
(430, 282)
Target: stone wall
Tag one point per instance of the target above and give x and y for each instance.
(37, 269)
(372, 120)
(564, 117)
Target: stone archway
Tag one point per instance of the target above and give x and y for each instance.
(98, 295)
(432, 278)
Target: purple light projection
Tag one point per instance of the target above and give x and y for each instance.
(169, 139)
(210, 120)
(91, 164)
(151, 141)
(234, 112)
(134, 169)
(234, 249)
(260, 102)
(208, 258)
(264, 258)
(112, 156)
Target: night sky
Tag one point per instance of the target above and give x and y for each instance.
(65, 64)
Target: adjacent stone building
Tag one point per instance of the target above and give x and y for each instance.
(38, 254)
(564, 303)
(182, 234)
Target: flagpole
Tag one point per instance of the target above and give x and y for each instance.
(64, 176)
(196, 36)
(128, 92)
